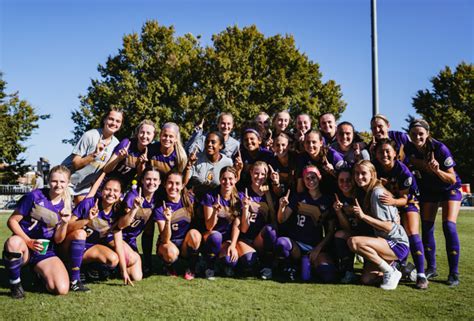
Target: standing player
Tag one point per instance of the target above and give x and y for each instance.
(174, 223)
(400, 182)
(390, 242)
(380, 130)
(310, 227)
(327, 126)
(349, 145)
(40, 214)
(280, 122)
(439, 185)
(91, 153)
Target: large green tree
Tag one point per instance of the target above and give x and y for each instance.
(18, 120)
(159, 76)
(449, 108)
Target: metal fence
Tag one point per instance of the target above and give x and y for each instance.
(14, 189)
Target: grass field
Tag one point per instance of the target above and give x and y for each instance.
(160, 297)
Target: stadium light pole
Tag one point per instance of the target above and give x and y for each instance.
(375, 68)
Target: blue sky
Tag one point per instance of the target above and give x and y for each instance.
(50, 50)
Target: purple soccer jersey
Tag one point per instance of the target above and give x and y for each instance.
(40, 216)
(399, 178)
(131, 232)
(180, 219)
(428, 182)
(259, 214)
(308, 215)
(97, 229)
(286, 172)
(333, 157)
(224, 216)
(401, 139)
(126, 168)
(263, 155)
(159, 161)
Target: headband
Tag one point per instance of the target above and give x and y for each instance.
(251, 130)
(312, 169)
(419, 123)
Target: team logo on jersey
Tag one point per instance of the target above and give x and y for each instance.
(339, 164)
(210, 176)
(448, 162)
(408, 182)
(41, 203)
(171, 163)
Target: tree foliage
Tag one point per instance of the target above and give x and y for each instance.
(449, 108)
(159, 76)
(18, 120)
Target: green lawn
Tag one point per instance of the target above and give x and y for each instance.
(164, 298)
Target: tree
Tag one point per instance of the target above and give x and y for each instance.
(166, 78)
(449, 109)
(18, 120)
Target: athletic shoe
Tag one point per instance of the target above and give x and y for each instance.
(229, 271)
(92, 275)
(266, 273)
(209, 273)
(391, 279)
(170, 271)
(453, 280)
(409, 272)
(290, 273)
(349, 277)
(188, 275)
(431, 273)
(16, 291)
(77, 286)
(421, 283)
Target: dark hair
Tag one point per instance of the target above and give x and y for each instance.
(188, 205)
(386, 141)
(115, 109)
(324, 114)
(235, 204)
(219, 135)
(149, 169)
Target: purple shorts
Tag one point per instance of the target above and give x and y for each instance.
(441, 196)
(401, 250)
(412, 205)
(35, 257)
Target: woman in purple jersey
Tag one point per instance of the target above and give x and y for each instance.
(390, 242)
(439, 185)
(325, 158)
(165, 155)
(401, 183)
(41, 214)
(138, 207)
(174, 219)
(257, 222)
(93, 219)
(311, 228)
(130, 156)
(349, 225)
(222, 209)
(349, 144)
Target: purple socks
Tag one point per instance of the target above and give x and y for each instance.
(269, 236)
(77, 251)
(344, 255)
(429, 243)
(248, 260)
(417, 252)
(13, 262)
(452, 245)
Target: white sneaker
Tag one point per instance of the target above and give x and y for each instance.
(391, 279)
(210, 274)
(266, 273)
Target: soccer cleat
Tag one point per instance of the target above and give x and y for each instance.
(453, 280)
(170, 271)
(349, 277)
(209, 273)
(16, 291)
(229, 271)
(391, 279)
(290, 273)
(77, 286)
(431, 273)
(421, 283)
(188, 275)
(266, 273)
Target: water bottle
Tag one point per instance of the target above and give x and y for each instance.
(305, 268)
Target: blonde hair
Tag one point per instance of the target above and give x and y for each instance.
(181, 157)
(142, 123)
(374, 182)
(66, 195)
